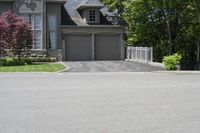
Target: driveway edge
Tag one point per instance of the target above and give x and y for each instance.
(64, 70)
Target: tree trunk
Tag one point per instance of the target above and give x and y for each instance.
(169, 27)
(198, 55)
(197, 3)
(169, 36)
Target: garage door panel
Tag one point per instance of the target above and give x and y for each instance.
(107, 47)
(78, 56)
(78, 48)
(114, 50)
(106, 54)
(79, 41)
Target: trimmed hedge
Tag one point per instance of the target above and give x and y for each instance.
(41, 59)
(24, 61)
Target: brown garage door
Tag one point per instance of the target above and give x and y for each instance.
(78, 48)
(107, 47)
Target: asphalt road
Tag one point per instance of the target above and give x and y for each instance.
(100, 103)
(109, 66)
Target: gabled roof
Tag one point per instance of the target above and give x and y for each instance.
(90, 3)
(72, 6)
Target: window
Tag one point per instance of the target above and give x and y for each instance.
(92, 16)
(52, 22)
(36, 24)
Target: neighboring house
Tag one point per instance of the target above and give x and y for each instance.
(72, 30)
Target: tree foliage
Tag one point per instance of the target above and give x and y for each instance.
(16, 34)
(170, 26)
(116, 6)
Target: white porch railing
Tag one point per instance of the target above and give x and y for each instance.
(140, 54)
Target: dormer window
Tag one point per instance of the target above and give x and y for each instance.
(90, 11)
(92, 17)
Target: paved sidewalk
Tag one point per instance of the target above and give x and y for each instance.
(110, 66)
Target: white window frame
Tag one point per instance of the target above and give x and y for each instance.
(92, 15)
(50, 30)
(96, 16)
(26, 15)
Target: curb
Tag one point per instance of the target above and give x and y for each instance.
(10, 73)
(24, 73)
(66, 68)
(156, 64)
(179, 72)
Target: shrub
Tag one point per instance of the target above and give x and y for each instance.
(11, 62)
(172, 61)
(24, 61)
(40, 59)
(27, 61)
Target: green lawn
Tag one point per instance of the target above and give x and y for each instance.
(46, 67)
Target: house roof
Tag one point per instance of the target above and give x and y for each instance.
(46, 0)
(72, 7)
(6, 0)
(59, 1)
(90, 3)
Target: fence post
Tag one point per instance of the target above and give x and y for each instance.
(130, 52)
(151, 54)
(127, 53)
(146, 56)
(132, 48)
(133, 53)
(140, 53)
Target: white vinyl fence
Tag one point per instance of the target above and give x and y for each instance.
(140, 54)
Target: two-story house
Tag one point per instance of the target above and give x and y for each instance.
(72, 30)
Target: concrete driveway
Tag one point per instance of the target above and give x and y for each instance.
(100, 103)
(109, 66)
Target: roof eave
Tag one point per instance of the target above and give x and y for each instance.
(89, 6)
(6, 0)
(56, 1)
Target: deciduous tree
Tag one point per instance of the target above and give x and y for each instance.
(170, 26)
(16, 34)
